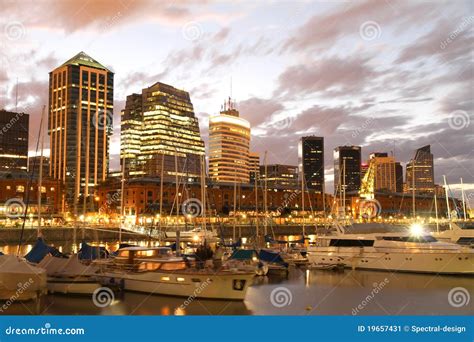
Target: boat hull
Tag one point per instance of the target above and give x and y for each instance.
(79, 285)
(192, 285)
(418, 262)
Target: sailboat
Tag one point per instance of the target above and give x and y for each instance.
(455, 233)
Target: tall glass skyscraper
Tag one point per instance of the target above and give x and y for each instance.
(420, 171)
(350, 175)
(158, 125)
(311, 162)
(81, 97)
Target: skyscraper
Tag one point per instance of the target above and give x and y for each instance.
(350, 174)
(311, 162)
(81, 97)
(422, 167)
(383, 172)
(280, 175)
(159, 128)
(229, 143)
(254, 166)
(14, 130)
(399, 176)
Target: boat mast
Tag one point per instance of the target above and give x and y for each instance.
(177, 185)
(40, 182)
(235, 203)
(463, 200)
(161, 190)
(122, 198)
(265, 195)
(344, 187)
(203, 191)
(447, 200)
(413, 188)
(302, 199)
(256, 203)
(436, 211)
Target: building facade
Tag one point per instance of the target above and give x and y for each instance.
(347, 168)
(399, 176)
(34, 164)
(81, 96)
(254, 166)
(384, 172)
(280, 175)
(229, 143)
(420, 171)
(311, 162)
(161, 132)
(14, 133)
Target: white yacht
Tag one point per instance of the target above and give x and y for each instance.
(405, 252)
(157, 271)
(456, 234)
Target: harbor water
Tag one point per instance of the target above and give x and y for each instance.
(301, 292)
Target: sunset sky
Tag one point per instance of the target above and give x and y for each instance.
(387, 75)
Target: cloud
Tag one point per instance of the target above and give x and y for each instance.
(329, 75)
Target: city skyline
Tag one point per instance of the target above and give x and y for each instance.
(281, 88)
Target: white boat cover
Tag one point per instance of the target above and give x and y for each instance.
(66, 267)
(18, 273)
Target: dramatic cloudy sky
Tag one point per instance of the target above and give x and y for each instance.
(388, 75)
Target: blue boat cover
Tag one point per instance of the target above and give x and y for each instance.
(88, 252)
(40, 250)
(243, 254)
(271, 256)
